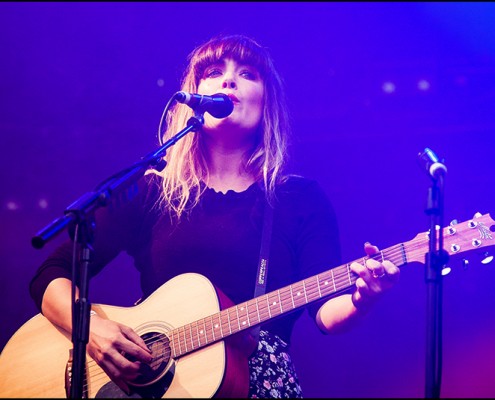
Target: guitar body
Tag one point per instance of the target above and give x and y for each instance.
(34, 361)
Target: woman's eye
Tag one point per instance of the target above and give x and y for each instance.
(248, 75)
(213, 72)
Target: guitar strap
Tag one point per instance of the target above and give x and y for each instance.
(261, 275)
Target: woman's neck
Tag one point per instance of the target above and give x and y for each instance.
(226, 165)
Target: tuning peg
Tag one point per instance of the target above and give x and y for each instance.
(477, 215)
(451, 230)
(454, 222)
(446, 270)
(465, 263)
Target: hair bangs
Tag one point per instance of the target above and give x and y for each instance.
(239, 48)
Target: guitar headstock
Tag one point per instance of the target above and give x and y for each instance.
(471, 240)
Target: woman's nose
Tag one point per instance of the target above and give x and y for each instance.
(229, 84)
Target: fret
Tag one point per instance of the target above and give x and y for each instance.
(322, 285)
(184, 333)
(209, 329)
(329, 284)
(258, 310)
(304, 291)
(234, 320)
(268, 306)
(283, 298)
(179, 339)
(216, 326)
(181, 342)
(280, 302)
(292, 297)
(191, 337)
(220, 324)
(238, 319)
(228, 321)
(248, 314)
(197, 333)
(333, 281)
(212, 328)
(318, 283)
(205, 331)
(172, 343)
(221, 317)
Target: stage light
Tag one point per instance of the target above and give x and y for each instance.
(388, 87)
(423, 85)
(12, 205)
(43, 204)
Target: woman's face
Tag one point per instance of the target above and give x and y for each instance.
(244, 85)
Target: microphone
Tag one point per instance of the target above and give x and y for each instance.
(432, 163)
(219, 105)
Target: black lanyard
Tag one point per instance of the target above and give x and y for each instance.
(261, 275)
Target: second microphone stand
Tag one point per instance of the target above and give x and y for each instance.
(435, 260)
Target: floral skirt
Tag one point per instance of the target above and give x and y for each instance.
(272, 374)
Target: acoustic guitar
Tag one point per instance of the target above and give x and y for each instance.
(198, 338)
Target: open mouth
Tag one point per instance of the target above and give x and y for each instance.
(233, 98)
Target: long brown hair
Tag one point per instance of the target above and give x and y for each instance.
(186, 166)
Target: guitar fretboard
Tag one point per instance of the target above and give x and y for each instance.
(215, 327)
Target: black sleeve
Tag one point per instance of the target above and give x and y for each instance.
(57, 265)
(318, 242)
(116, 228)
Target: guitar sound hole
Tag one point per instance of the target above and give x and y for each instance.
(159, 344)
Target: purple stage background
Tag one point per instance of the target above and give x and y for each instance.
(83, 87)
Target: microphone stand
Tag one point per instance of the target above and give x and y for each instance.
(79, 215)
(435, 259)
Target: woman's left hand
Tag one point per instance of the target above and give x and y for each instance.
(375, 277)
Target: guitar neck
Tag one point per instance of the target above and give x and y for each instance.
(232, 320)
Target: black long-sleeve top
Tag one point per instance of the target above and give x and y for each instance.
(220, 238)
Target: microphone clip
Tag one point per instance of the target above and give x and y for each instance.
(430, 162)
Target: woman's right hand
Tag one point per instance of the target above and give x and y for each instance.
(109, 344)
